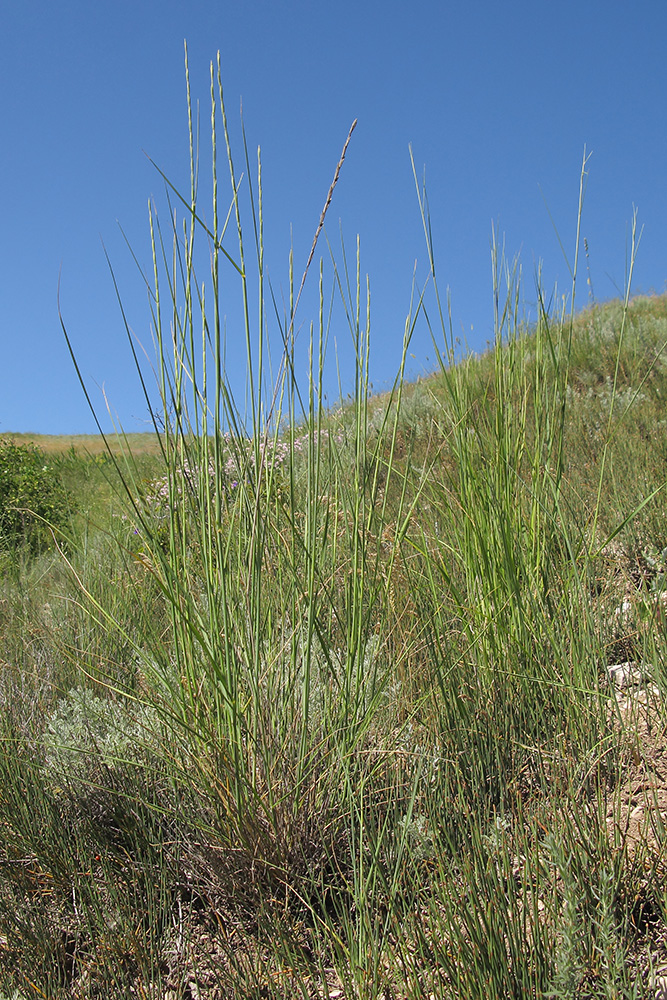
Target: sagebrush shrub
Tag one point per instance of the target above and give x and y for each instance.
(33, 498)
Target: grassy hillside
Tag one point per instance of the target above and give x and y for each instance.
(350, 724)
(365, 703)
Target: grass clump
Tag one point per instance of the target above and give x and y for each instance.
(320, 703)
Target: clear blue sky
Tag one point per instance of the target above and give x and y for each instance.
(497, 100)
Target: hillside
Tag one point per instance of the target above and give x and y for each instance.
(370, 708)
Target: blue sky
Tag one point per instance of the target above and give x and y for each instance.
(497, 100)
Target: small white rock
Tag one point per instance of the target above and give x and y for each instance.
(625, 675)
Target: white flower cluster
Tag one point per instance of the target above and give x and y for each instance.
(241, 459)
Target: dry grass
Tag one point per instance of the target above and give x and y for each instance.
(87, 444)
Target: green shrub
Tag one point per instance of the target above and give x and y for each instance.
(33, 499)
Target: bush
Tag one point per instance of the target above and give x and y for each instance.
(33, 499)
(87, 733)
